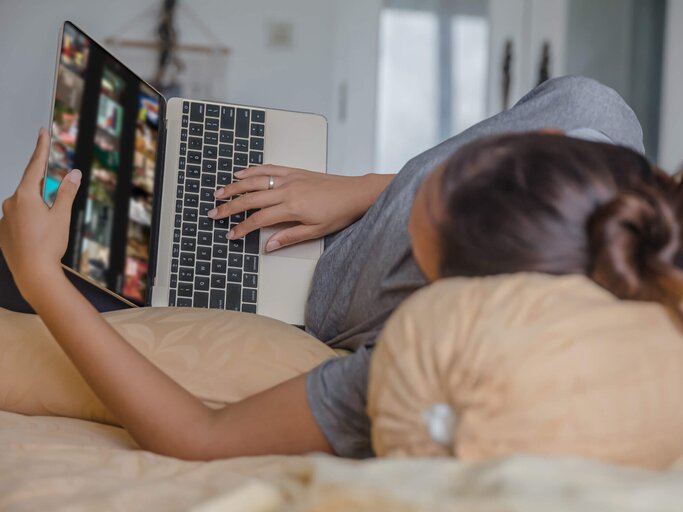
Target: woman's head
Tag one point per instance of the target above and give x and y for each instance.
(546, 203)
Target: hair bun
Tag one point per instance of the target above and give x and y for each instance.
(633, 240)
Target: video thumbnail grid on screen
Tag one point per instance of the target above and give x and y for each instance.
(118, 164)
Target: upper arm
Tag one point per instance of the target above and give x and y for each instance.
(277, 421)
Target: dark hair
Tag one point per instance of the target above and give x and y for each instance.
(545, 203)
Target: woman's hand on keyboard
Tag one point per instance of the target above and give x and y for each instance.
(318, 204)
(34, 237)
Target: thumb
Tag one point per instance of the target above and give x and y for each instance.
(67, 192)
(290, 236)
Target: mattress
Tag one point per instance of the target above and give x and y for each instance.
(52, 463)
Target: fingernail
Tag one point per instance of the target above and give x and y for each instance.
(273, 245)
(231, 234)
(212, 213)
(218, 192)
(75, 176)
(239, 174)
(40, 132)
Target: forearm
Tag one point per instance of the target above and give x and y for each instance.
(159, 414)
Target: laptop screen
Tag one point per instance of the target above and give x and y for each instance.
(105, 123)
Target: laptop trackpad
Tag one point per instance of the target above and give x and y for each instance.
(284, 283)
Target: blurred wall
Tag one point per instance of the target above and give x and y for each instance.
(671, 128)
(297, 78)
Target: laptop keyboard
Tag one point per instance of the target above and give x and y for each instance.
(207, 269)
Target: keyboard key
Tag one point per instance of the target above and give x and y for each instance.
(225, 151)
(249, 308)
(183, 148)
(203, 268)
(224, 164)
(185, 121)
(249, 295)
(184, 290)
(189, 229)
(256, 143)
(233, 296)
(181, 177)
(241, 159)
(175, 252)
(186, 107)
(210, 152)
(205, 208)
(174, 280)
(242, 123)
(206, 194)
(183, 135)
(174, 265)
(224, 178)
(256, 158)
(227, 137)
(197, 112)
(250, 263)
(194, 157)
(209, 166)
(212, 110)
(211, 138)
(250, 280)
(171, 297)
(176, 235)
(201, 300)
(195, 143)
(237, 245)
(193, 171)
(251, 242)
(190, 214)
(234, 275)
(184, 303)
(237, 217)
(205, 224)
(258, 116)
(192, 186)
(235, 260)
(178, 221)
(217, 281)
(181, 163)
(220, 235)
(196, 129)
(201, 283)
(186, 274)
(204, 253)
(217, 299)
(188, 244)
(211, 124)
(258, 130)
(242, 145)
(227, 117)
(222, 223)
(220, 251)
(219, 267)
(205, 238)
(191, 200)
(179, 193)
(187, 259)
(208, 180)
(178, 206)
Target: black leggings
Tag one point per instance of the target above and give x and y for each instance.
(11, 299)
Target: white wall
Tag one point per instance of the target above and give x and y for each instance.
(299, 78)
(671, 125)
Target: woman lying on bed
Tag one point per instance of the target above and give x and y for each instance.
(551, 203)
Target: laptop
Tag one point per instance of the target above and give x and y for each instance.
(139, 228)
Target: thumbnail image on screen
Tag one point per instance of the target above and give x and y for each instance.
(106, 123)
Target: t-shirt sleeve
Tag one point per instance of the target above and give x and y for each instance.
(337, 396)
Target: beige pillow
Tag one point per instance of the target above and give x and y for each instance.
(482, 368)
(218, 356)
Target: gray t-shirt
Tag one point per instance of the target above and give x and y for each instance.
(367, 270)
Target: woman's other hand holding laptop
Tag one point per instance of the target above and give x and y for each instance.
(318, 204)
